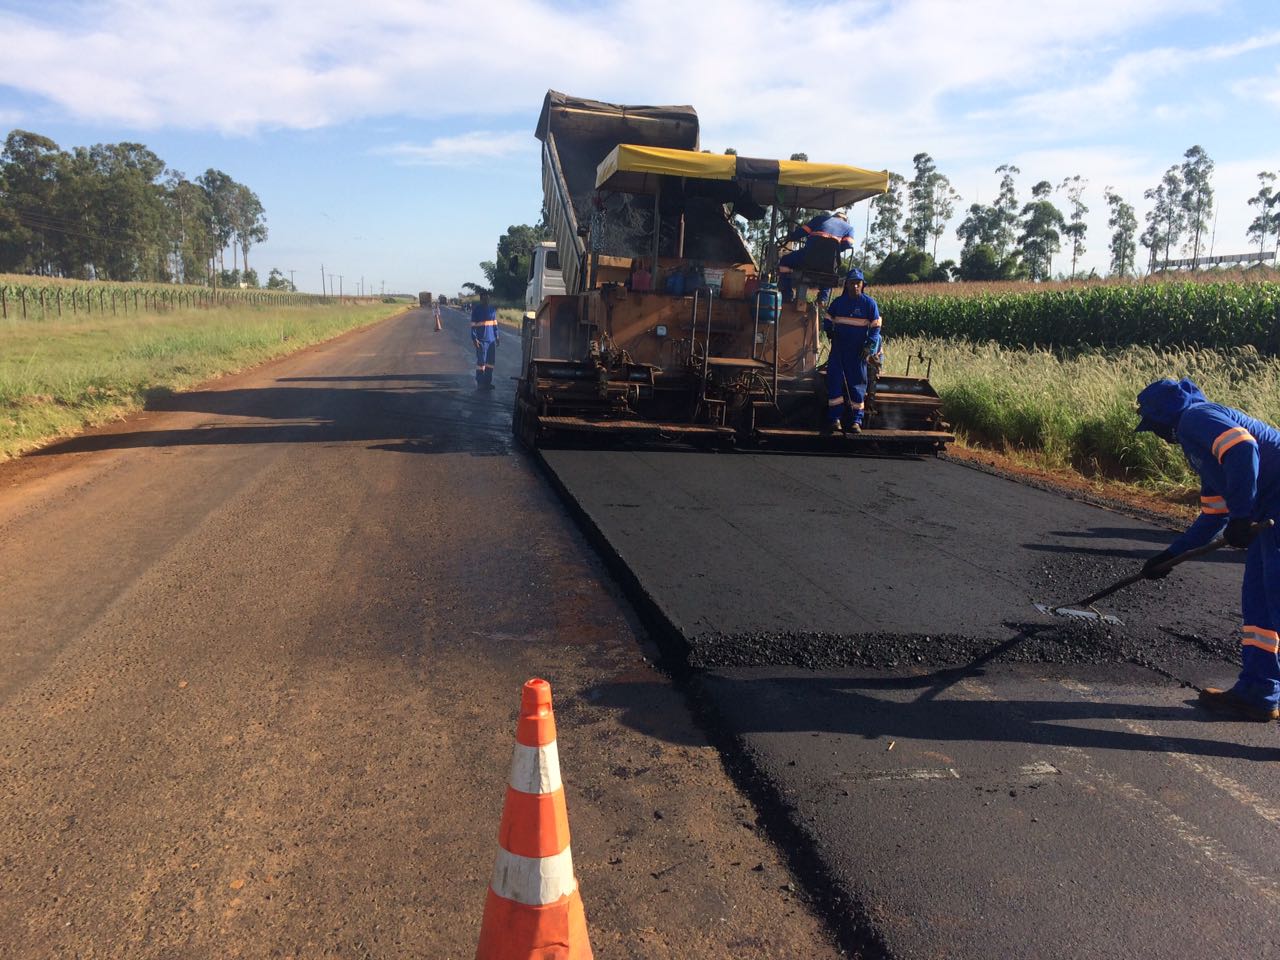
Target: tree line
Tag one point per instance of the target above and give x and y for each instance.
(1008, 239)
(115, 211)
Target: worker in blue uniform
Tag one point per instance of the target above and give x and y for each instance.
(484, 334)
(834, 226)
(853, 324)
(1238, 460)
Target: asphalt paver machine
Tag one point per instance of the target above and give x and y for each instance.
(669, 330)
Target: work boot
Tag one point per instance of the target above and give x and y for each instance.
(854, 428)
(1230, 702)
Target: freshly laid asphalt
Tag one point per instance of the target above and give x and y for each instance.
(961, 775)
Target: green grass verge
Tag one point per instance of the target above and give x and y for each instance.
(59, 376)
(1076, 409)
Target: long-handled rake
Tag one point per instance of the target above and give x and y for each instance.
(1083, 609)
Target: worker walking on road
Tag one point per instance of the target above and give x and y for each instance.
(484, 333)
(1238, 460)
(853, 324)
(832, 226)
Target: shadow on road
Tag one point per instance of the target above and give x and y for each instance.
(847, 705)
(419, 413)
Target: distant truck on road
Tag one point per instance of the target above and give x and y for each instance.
(424, 298)
(545, 278)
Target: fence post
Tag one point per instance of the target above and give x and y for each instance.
(23, 291)
(135, 300)
(59, 301)
(4, 307)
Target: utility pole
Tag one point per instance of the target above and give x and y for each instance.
(292, 285)
(362, 285)
(339, 286)
(322, 293)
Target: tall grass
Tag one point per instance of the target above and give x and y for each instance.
(1076, 409)
(57, 376)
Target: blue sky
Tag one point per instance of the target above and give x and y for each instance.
(394, 140)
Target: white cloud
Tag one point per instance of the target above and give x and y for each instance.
(1265, 89)
(289, 63)
(465, 149)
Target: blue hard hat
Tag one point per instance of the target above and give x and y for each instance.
(855, 274)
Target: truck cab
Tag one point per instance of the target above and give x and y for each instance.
(545, 278)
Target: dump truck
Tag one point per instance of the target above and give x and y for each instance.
(424, 298)
(668, 330)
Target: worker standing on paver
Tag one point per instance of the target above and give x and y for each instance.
(853, 324)
(484, 334)
(1238, 460)
(832, 226)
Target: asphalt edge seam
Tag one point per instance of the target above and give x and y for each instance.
(846, 918)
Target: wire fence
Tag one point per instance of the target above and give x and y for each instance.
(44, 300)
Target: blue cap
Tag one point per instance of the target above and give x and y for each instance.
(854, 274)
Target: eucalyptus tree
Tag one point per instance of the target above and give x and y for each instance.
(1266, 222)
(1040, 239)
(885, 236)
(1197, 196)
(1166, 219)
(1076, 227)
(1124, 225)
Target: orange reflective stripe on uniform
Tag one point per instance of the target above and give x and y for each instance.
(835, 402)
(1214, 505)
(1228, 439)
(854, 321)
(484, 323)
(1262, 638)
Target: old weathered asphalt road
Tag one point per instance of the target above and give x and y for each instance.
(260, 656)
(961, 777)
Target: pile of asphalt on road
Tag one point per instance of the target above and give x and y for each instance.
(1067, 642)
(1150, 636)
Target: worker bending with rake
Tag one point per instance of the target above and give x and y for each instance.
(853, 324)
(484, 334)
(1238, 459)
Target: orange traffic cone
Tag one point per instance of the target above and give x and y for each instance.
(534, 911)
(438, 327)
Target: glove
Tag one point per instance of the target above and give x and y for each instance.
(1240, 532)
(1149, 569)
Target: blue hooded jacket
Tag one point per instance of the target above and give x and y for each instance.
(1236, 456)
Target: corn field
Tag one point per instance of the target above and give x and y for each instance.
(1205, 314)
(26, 299)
